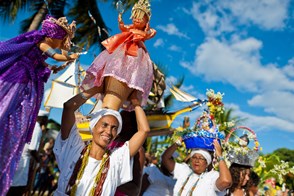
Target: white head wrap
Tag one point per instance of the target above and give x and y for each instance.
(95, 117)
(43, 113)
(204, 153)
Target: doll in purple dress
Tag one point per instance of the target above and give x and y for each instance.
(124, 67)
(23, 72)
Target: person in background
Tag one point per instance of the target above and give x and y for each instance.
(129, 128)
(240, 176)
(29, 156)
(157, 181)
(48, 147)
(198, 177)
(252, 184)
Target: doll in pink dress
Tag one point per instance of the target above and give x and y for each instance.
(124, 67)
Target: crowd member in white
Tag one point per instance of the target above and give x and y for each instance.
(198, 178)
(92, 169)
(30, 152)
(157, 181)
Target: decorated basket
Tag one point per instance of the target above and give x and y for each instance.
(203, 134)
(238, 151)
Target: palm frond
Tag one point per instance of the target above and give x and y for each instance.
(10, 8)
(127, 3)
(36, 7)
(56, 8)
(88, 33)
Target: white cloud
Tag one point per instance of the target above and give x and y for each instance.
(263, 123)
(238, 63)
(158, 42)
(289, 68)
(268, 14)
(216, 17)
(175, 48)
(260, 123)
(171, 80)
(171, 29)
(279, 103)
(212, 22)
(255, 122)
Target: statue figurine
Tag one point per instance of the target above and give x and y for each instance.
(124, 67)
(23, 73)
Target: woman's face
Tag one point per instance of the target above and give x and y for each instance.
(140, 23)
(198, 163)
(244, 176)
(105, 130)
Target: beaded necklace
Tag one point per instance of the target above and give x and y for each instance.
(79, 171)
(194, 185)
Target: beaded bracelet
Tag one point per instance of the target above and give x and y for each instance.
(83, 96)
(50, 52)
(220, 158)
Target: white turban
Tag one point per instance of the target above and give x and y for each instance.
(43, 113)
(204, 153)
(95, 117)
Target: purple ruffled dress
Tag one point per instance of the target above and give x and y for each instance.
(22, 78)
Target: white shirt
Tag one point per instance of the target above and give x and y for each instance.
(160, 184)
(205, 186)
(67, 153)
(22, 172)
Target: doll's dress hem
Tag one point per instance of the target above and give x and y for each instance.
(118, 63)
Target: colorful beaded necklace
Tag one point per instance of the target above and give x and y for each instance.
(79, 171)
(194, 185)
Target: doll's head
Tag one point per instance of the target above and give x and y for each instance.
(141, 10)
(59, 29)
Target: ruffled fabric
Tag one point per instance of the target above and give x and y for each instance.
(22, 78)
(135, 70)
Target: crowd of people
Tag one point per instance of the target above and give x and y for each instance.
(144, 174)
(114, 161)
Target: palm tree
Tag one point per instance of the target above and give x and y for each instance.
(226, 116)
(79, 10)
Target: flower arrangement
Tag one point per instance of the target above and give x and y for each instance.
(238, 151)
(214, 102)
(271, 166)
(205, 129)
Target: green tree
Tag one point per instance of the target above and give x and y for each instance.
(87, 34)
(286, 155)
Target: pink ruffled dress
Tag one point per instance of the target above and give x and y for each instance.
(127, 60)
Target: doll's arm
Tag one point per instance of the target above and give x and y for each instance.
(56, 69)
(52, 53)
(150, 32)
(122, 26)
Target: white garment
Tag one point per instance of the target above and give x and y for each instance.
(67, 153)
(22, 172)
(205, 186)
(160, 184)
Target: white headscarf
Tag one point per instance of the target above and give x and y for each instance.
(43, 113)
(95, 117)
(204, 153)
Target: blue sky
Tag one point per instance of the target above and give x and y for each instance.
(244, 49)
